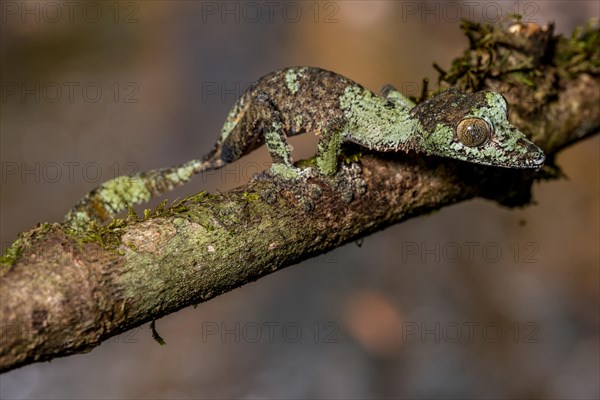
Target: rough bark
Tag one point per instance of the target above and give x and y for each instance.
(64, 292)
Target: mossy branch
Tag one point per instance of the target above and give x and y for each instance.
(64, 292)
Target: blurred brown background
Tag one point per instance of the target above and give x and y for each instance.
(475, 301)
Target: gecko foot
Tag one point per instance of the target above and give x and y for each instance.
(349, 181)
(291, 181)
(285, 171)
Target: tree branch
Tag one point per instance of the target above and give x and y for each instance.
(64, 292)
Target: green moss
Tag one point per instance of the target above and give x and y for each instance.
(524, 78)
(308, 163)
(107, 236)
(160, 208)
(204, 219)
(12, 254)
(488, 57)
(580, 52)
(251, 196)
(14, 251)
(352, 157)
(177, 207)
(132, 215)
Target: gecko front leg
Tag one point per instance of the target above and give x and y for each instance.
(330, 147)
(391, 94)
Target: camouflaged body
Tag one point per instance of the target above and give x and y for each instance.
(307, 98)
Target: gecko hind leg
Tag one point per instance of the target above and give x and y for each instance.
(261, 123)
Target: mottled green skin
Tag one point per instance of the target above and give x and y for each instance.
(507, 146)
(122, 192)
(292, 101)
(327, 104)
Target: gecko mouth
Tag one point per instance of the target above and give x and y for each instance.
(529, 157)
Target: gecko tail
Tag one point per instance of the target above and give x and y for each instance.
(118, 194)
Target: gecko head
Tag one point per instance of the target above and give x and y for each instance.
(474, 127)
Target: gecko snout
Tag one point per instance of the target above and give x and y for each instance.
(535, 155)
(539, 157)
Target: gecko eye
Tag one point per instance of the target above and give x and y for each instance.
(473, 132)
